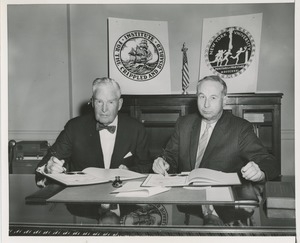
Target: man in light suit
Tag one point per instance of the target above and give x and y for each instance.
(230, 146)
(102, 139)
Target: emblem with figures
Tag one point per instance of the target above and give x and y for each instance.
(230, 52)
(139, 55)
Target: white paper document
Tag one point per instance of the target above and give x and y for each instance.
(93, 175)
(167, 181)
(219, 194)
(134, 189)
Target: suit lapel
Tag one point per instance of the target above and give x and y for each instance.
(95, 143)
(194, 141)
(119, 142)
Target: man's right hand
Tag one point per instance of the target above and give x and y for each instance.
(54, 166)
(160, 166)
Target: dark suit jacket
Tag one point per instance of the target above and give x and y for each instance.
(232, 145)
(79, 144)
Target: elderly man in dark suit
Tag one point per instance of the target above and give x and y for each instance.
(216, 139)
(102, 139)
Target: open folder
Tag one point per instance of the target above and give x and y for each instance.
(93, 175)
(197, 177)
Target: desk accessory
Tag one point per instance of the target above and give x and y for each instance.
(117, 182)
(280, 194)
(280, 200)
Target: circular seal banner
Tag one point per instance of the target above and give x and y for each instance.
(147, 214)
(139, 55)
(230, 52)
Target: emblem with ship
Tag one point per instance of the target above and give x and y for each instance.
(141, 59)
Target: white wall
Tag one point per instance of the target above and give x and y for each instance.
(38, 75)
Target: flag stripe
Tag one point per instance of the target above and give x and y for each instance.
(185, 72)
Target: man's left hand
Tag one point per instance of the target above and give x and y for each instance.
(123, 167)
(252, 172)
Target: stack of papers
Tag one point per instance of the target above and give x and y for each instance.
(134, 189)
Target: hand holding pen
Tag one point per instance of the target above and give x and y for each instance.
(54, 165)
(161, 166)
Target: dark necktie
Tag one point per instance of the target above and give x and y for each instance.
(100, 127)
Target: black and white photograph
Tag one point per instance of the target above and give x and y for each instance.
(149, 121)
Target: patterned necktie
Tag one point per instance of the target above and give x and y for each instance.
(202, 145)
(100, 127)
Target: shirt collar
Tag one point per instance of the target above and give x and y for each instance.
(115, 122)
(204, 124)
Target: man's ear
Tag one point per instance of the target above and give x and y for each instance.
(120, 103)
(92, 102)
(225, 98)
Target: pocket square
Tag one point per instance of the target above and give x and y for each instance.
(128, 155)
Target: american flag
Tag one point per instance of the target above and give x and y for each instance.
(185, 70)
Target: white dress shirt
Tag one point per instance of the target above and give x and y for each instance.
(107, 141)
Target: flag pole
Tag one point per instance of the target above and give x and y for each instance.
(185, 70)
